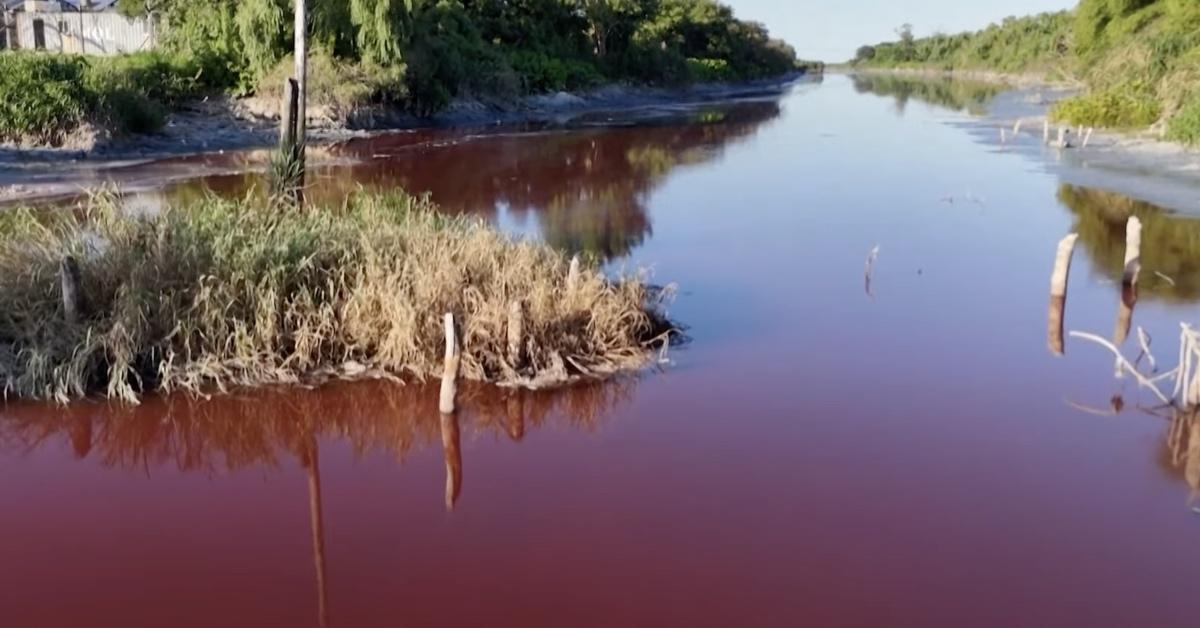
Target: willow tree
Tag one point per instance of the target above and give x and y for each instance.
(383, 28)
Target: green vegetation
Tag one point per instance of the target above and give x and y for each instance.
(1140, 60)
(417, 54)
(960, 95)
(223, 293)
(46, 97)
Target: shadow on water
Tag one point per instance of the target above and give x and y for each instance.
(263, 429)
(587, 188)
(1170, 243)
(957, 94)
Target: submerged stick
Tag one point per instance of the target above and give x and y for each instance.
(516, 333)
(870, 269)
(450, 371)
(1123, 363)
(1058, 293)
(71, 279)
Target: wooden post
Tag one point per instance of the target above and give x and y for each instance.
(71, 279)
(1129, 277)
(573, 275)
(289, 108)
(1017, 128)
(516, 333)
(1062, 137)
(1046, 131)
(450, 371)
(1058, 293)
(301, 54)
(1003, 136)
(1087, 138)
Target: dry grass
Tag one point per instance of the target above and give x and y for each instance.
(223, 294)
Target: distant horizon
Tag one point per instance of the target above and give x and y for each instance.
(819, 31)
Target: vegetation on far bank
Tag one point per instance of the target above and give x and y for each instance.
(417, 54)
(1140, 60)
(220, 293)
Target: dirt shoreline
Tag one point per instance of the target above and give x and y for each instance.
(1138, 164)
(224, 124)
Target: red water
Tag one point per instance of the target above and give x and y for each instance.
(815, 456)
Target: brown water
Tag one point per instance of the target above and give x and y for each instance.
(815, 456)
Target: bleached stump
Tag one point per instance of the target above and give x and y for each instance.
(71, 280)
(573, 275)
(450, 370)
(1046, 131)
(1088, 137)
(1058, 293)
(1129, 278)
(516, 333)
(1133, 251)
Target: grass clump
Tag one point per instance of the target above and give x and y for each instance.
(220, 293)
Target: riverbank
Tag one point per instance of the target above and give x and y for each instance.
(226, 124)
(1139, 164)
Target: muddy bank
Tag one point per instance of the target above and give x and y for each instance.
(223, 124)
(1135, 163)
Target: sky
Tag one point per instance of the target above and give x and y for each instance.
(830, 30)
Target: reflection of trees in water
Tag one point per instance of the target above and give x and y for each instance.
(588, 188)
(956, 94)
(265, 427)
(1170, 243)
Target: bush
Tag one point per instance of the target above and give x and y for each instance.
(1185, 126)
(709, 70)
(540, 72)
(43, 97)
(340, 84)
(1126, 106)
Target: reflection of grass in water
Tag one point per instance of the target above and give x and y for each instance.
(956, 94)
(266, 428)
(1170, 243)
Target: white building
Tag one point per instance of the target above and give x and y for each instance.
(91, 27)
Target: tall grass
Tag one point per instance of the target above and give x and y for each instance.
(221, 293)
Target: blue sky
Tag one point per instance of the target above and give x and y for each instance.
(830, 30)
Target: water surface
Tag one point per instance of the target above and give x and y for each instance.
(815, 456)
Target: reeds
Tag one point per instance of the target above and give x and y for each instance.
(221, 294)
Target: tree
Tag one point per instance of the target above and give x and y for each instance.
(908, 49)
(864, 53)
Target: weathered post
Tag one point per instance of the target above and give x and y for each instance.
(301, 54)
(452, 453)
(1129, 277)
(1017, 128)
(71, 279)
(516, 333)
(287, 116)
(450, 369)
(1062, 137)
(1003, 136)
(1046, 131)
(1058, 292)
(573, 275)
(1087, 138)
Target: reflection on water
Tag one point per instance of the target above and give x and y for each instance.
(1181, 453)
(587, 188)
(1170, 251)
(956, 94)
(265, 428)
(262, 428)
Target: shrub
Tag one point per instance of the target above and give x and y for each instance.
(540, 72)
(709, 69)
(340, 84)
(43, 97)
(1185, 126)
(1124, 106)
